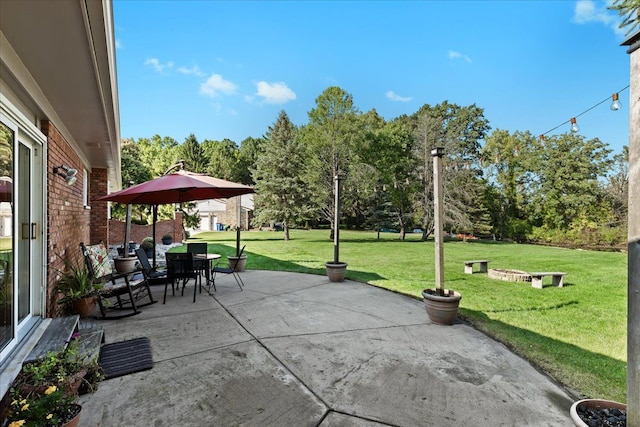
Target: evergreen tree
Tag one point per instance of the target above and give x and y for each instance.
(280, 191)
(193, 155)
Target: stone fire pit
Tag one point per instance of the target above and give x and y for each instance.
(509, 275)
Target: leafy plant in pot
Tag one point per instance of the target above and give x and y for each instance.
(167, 239)
(148, 246)
(78, 287)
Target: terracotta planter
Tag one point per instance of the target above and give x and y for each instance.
(441, 309)
(125, 265)
(84, 306)
(336, 271)
(75, 421)
(241, 263)
(592, 404)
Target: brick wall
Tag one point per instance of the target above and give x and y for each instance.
(68, 222)
(139, 232)
(98, 185)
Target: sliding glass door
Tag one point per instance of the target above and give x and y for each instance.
(21, 237)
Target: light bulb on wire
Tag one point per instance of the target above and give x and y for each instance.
(574, 125)
(615, 104)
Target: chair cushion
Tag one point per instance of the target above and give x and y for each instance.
(99, 260)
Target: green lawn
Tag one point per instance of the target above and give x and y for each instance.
(577, 333)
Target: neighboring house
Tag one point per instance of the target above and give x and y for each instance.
(58, 109)
(224, 212)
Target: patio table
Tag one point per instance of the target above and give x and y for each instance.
(209, 258)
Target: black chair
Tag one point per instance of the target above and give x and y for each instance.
(201, 266)
(229, 270)
(115, 285)
(180, 267)
(153, 275)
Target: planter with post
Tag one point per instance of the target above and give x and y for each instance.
(237, 261)
(336, 269)
(442, 304)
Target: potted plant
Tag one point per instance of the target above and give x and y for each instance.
(50, 408)
(148, 246)
(45, 391)
(167, 239)
(78, 287)
(238, 261)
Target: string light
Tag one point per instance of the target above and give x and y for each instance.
(614, 98)
(574, 125)
(615, 104)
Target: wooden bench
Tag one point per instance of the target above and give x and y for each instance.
(468, 266)
(556, 277)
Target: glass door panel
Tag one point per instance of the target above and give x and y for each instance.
(7, 326)
(25, 232)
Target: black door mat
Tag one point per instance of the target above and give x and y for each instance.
(126, 357)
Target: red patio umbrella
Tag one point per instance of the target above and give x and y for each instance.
(178, 187)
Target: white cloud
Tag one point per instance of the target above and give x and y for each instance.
(193, 70)
(216, 85)
(275, 93)
(118, 44)
(157, 65)
(590, 11)
(453, 55)
(394, 97)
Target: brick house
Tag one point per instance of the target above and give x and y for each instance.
(58, 113)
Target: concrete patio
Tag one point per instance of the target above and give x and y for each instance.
(297, 350)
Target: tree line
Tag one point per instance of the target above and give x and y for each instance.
(499, 184)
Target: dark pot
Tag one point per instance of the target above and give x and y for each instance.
(167, 241)
(592, 404)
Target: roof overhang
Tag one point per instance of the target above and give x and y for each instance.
(59, 57)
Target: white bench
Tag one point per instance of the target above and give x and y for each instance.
(468, 266)
(556, 277)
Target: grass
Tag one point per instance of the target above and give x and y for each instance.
(577, 334)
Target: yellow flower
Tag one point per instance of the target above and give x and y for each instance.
(49, 416)
(50, 390)
(17, 423)
(23, 401)
(25, 407)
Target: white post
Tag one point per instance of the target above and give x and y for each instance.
(633, 242)
(437, 154)
(336, 221)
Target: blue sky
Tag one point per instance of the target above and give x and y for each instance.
(225, 69)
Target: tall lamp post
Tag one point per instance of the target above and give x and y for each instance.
(336, 269)
(442, 307)
(437, 154)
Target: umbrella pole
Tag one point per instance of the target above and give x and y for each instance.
(155, 218)
(127, 232)
(238, 222)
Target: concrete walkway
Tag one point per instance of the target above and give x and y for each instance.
(297, 350)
